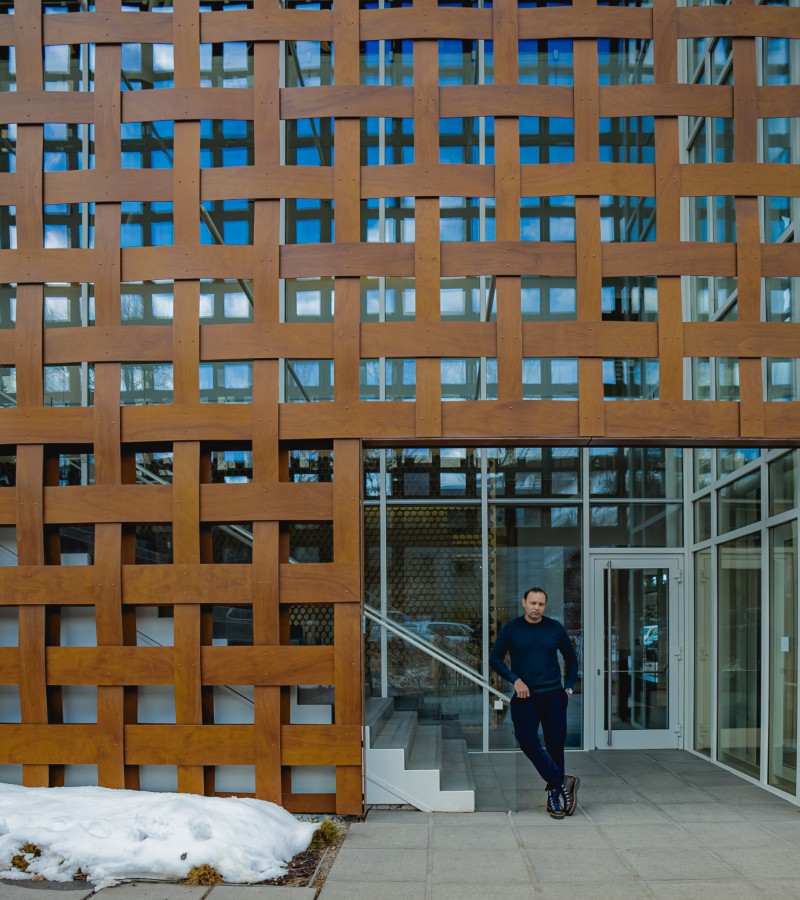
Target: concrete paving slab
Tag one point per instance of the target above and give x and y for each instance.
(618, 793)
(785, 830)
(644, 836)
(764, 863)
(742, 793)
(539, 835)
(708, 890)
(770, 812)
(485, 819)
(142, 890)
(468, 836)
(495, 867)
(579, 865)
(606, 890)
(387, 836)
(260, 892)
(400, 816)
(379, 865)
(460, 891)
(28, 890)
(700, 812)
(637, 811)
(348, 890)
(662, 864)
(729, 835)
(780, 890)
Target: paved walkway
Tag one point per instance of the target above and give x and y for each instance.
(649, 824)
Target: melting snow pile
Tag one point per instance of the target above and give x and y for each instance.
(113, 835)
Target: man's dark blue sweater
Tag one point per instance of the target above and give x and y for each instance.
(534, 652)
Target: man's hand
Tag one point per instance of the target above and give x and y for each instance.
(521, 688)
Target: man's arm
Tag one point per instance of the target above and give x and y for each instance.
(497, 656)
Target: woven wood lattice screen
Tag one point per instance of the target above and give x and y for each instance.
(34, 432)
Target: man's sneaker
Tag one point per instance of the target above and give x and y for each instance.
(571, 784)
(555, 803)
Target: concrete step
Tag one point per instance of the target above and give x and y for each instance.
(426, 751)
(378, 711)
(397, 733)
(456, 772)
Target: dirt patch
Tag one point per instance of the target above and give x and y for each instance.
(311, 867)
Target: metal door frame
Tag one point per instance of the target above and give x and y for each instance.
(595, 688)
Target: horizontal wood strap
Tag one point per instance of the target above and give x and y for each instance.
(232, 745)
(50, 744)
(110, 665)
(267, 665)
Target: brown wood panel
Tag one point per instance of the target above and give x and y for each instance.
(780, 259)
(186, 583)
(681, 422)
(26, 585)
(264, 501)
(185, 262)
(267, 665)
(666, 100)
(585, 21)
(778, 339)
(380, 420)
(110, 186)
(112, 27)
(187, 104)
(588, 179)
(428, 339)
(312, 582)
(347, 350)
(426, 22)
(573, 339)
(782, 421)
(508, 258)
(303, 260)
(183, 423)
(777, 100)
(506, 100)
(189, 745)
(267, 23)
(107, 503)
(751, 398)
(669, 258)
(430, 180)
(290, 339)
(36, 746)
(749, 178)
(129, 343)
(309, 803)
(671, 335)
(549, 419)
(267, 184)
(737, 21)
(8, 506)
(321, 745)
(33, 107)
(109, 665)
(121, 343)
(9, 665)
(35, 264)
(346, 101)
(46, 426)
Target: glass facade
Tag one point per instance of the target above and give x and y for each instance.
(454, 536)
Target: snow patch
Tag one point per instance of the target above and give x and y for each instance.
(115, 835)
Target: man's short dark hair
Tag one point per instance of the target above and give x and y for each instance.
(536, 590)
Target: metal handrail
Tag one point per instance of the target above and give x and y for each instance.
(426, 647)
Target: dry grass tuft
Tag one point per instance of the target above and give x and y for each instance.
(203, 875)
(27, 852)
(325, 836)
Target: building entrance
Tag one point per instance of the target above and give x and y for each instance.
(636, 652)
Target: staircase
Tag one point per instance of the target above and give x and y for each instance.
(409, 762)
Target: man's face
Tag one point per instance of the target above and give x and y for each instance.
(533, 605)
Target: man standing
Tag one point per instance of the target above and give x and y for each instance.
(534, 641)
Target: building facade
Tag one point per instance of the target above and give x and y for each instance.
(313, 307)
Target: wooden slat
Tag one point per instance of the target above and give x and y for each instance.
(267, 665)
(109, 665)
(100, 503)
(38, 745)
(266, 502)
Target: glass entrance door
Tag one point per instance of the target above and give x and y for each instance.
(637, 653)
